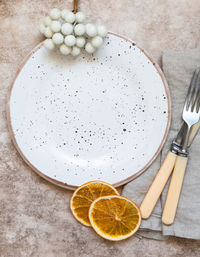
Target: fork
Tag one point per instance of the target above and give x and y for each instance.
(190, 115)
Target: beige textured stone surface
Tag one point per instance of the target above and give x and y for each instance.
(35, 219)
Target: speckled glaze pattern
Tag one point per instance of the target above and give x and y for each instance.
(91, 117)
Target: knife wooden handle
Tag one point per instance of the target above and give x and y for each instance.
(174, 191)
(158, 185)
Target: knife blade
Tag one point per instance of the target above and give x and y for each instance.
(193, 133)
(179, 138)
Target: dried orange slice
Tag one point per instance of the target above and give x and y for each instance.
(84, 195)
(115, 217)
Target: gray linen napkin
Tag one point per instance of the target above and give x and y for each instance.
(178, 67)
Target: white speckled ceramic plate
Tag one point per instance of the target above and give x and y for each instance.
(104, 116)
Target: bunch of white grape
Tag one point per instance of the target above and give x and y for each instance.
(65, 30)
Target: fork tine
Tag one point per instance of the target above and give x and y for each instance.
(198, 106)
(191, 89)
(197, 100)
(195, 97)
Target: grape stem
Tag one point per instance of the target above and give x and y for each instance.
(75, 6)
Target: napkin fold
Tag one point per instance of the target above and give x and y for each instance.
(178, 67)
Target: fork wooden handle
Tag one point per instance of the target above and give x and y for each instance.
(158, 185)
(174, 191)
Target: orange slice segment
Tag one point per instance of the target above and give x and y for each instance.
(84, 195)
(115, 217)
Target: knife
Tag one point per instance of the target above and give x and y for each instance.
(165, 171)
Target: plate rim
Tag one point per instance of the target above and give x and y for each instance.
(73, 187)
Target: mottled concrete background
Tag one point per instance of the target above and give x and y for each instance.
(34, 215)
